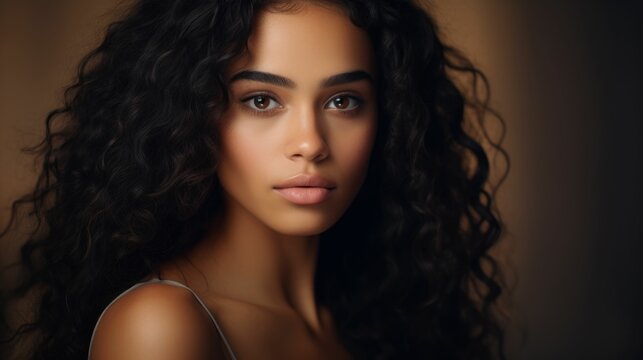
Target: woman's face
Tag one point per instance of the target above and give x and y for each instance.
(302, 103)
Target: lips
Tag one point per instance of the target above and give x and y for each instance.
(305, 180)
(305, 189)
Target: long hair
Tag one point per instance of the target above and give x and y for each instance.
(128, 181)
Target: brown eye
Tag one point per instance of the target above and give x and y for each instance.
(344, 103)
(341, 102)
(261, 103)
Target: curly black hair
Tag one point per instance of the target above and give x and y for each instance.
(128, 181)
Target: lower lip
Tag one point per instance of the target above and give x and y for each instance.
(305, 195)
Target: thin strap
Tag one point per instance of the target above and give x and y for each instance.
(216, 324)
(172, 283)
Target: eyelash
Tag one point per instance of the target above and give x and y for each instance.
(250, 108)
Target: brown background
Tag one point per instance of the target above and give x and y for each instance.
(567, 78)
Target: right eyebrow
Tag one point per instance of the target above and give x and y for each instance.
(264, 77)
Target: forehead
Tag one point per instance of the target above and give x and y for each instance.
(313, 41)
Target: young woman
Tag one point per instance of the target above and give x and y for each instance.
(264, 180)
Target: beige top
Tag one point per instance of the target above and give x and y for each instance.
(171, 283)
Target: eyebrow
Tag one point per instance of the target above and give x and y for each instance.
(278, 80)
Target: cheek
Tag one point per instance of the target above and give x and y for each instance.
(355, 152)
(242, 154)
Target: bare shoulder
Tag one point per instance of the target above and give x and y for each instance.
(156, 321)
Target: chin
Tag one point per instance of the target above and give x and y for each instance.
(303, 227)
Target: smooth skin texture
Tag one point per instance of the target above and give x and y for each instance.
(303, 101)
(156, 322)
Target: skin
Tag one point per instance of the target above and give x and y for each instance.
(255, 269)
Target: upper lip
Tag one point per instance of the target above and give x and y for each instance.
(306, 180)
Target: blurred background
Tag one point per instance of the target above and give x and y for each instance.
(566, 76)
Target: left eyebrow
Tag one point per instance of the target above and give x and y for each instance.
(279, 80)
(347, 77)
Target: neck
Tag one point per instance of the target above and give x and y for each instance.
(243, 259)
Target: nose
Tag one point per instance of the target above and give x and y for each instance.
(306, 139)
